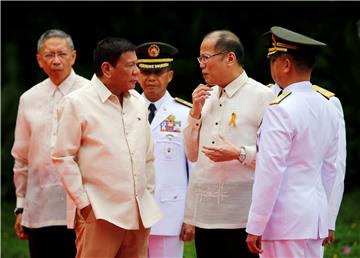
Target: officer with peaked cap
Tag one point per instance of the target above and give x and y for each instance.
(337, 194)
(167, 117)
(154, 56)
(296, 163)
(287, 41)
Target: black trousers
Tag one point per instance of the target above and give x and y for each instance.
(51, 242)
(222, 243)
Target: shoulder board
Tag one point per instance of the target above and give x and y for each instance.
(270, 85)
(327, 94)
(280, 98)
(184, 102)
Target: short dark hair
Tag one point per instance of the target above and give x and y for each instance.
(303, 60)
(109, 50)
(228, 41)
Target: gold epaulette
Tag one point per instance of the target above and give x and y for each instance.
(270, 85)
(280, 98)
(184, 102)
(327, 94)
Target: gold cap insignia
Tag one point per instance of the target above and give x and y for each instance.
(278, 46)
(153, 50)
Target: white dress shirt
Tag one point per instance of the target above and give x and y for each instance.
(38, 187)
(104, 154)
(219, 193)
(295, 167)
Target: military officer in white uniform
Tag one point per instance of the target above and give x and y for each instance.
(167, 117)
(296, 160)
(338, 190)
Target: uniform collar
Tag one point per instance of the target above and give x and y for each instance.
(235, 85)
(299, 86)
(166, 98)
(277, 89)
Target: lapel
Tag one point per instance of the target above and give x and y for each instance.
(162, 113)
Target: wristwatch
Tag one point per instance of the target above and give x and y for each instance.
(18, 211)
(242, 155)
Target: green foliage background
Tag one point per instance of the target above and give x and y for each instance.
(182, 24)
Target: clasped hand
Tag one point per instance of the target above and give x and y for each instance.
(223, 152)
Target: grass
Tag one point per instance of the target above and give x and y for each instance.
(346, 245)
(347, 238)
(11, 247)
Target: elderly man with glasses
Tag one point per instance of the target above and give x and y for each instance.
(40, 196)
(221, 136)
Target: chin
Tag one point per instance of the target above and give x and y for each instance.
(207, 79)
(209, 82)
(132, 86)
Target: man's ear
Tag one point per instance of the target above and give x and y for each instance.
(170, 76)
(73, 57)
(106, 69)
(287, 66)
(38, 58)
(230, 58)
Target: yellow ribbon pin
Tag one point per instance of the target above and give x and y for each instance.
(232, 121)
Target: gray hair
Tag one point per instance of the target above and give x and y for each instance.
(53, 33)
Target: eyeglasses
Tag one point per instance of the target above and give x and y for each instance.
(52, 55)
(205, 58)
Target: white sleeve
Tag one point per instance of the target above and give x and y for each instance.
(338, 189)
(65, 150)
(191, 138)
(20, 151)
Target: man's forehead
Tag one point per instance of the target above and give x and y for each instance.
(208, 44)
(128, 56)
(55, 42)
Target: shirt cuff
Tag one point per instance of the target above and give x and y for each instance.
(332, 221)
(256, 224)
(20, 202)
(193, 121)
(82, 201)
(250, 155)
